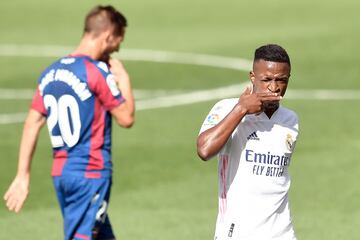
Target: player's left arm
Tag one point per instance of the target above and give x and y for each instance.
(19, 188)
(124, 113)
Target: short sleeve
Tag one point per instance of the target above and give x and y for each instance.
(103, 84)
(38, 103)
(220, 110)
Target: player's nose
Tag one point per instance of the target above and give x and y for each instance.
(273, 86)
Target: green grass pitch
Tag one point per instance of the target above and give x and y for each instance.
(161, 189)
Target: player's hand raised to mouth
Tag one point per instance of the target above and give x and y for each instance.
(254, 102)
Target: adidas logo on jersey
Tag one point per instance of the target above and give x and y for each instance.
(253, 136)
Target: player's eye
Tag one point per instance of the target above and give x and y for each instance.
(282, 80)
(266, 80)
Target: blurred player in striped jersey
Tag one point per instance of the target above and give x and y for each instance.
(254, 138)
(77, 96)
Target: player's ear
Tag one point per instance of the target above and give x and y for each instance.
(108, 36)
(252, 76)
(104, 34)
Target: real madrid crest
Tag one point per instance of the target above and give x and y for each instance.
(289, 142)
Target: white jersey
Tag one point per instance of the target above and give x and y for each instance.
(253, 175)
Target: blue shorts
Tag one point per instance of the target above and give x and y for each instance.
(84, 204)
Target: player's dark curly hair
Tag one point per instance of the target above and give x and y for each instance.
(100, 18)
(273, 53)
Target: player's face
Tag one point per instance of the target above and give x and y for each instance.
(113, 44)
(270, 76)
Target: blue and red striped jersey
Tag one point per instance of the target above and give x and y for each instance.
(76, 94)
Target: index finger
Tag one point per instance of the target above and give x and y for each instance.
(6, 195)
(270, 97)
(265, 94)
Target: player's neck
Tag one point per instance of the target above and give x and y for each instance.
(88, 47)
(270, 111)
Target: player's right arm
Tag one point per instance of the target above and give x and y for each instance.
(212, 140)
(19, 188)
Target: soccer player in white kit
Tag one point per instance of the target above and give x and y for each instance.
(254, 138)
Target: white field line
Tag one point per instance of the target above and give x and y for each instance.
(142, 95)
(8, 118)
(157, 97)
(147, 99)
(190, 97)
(13, 50)
(24, 94)
(323, 94)
(155, 101)
(235, 91)
(16, 94)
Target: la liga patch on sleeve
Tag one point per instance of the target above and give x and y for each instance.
(112, 85)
